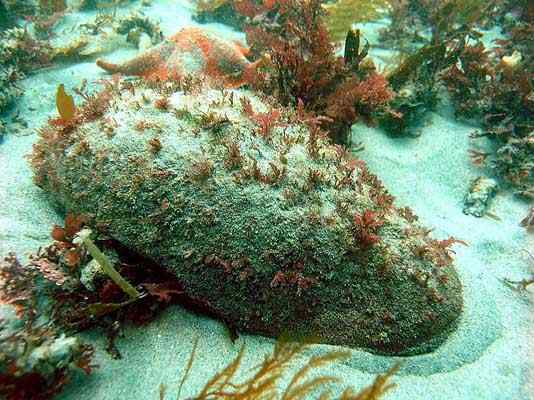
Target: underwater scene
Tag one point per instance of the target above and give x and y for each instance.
(266, 199)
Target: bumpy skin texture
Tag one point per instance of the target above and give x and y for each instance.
(270, 254)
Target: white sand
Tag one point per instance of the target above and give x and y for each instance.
(487, 358)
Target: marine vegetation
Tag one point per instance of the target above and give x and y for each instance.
(497, 90)
(62, 291)
(298, 65)
(343, 14)
(107, 32)
(65, 104)
(415, 81)
(417, 78)
(264, 384)
(43, 25)
(101, 4)
(135, 25)
(340, 15)
(24, 51)
(50, 7)
(255, 213)
(221, 61)
(218, 11)
(36, 359)
(493, 87)
(83, 237)
(95, 282)
(11, 11)
(9, 91)
(525, 283)
(295, 63)
(416, 23)
(2, 130)
(20, 54)
(6, 18)
(18, 48)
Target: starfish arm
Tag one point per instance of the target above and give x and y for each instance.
(141, 65)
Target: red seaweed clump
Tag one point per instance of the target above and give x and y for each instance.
(298, 63)
(37, 358)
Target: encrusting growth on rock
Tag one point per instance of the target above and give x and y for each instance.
(274, 227)
(299, 66)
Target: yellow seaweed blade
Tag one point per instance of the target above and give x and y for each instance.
(65, 104)
(342, 14)
(210, 5)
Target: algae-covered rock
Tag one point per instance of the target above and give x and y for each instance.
(481, 192)
(255, 213)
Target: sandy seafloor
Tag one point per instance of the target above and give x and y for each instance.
(490, 355)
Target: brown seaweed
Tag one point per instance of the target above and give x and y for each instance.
(265, 382)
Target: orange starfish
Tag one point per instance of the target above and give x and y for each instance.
(191, 51)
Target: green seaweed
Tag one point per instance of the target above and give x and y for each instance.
(107, 266)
